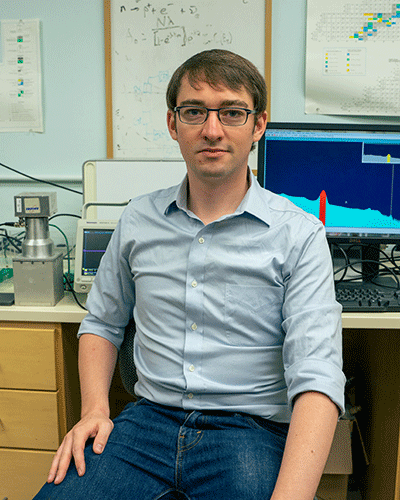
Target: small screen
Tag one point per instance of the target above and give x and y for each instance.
(95, 242)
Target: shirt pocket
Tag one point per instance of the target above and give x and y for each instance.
(253, 315)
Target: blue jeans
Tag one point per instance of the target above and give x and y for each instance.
(163, 453)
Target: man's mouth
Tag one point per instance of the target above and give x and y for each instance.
(213, 151)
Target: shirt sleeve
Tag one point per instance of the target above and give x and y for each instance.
(312, 349)
(111, 299)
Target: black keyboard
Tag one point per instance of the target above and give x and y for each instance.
(367, 297)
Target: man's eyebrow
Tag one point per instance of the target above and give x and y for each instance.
(224, 104)
(236, 103)
(192, 102)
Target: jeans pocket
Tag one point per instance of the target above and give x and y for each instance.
(280, 429)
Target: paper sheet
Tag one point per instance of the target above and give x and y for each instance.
(353, 57)
(20, 77)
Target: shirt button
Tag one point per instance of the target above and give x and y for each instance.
(191, 368)
(194, 283)
(201, 240)
(194, 326)
(190, 395)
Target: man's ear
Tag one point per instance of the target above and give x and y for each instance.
(171, 123)
(260, 125)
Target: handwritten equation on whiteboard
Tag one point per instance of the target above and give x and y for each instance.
(169, 27)
(149, 41)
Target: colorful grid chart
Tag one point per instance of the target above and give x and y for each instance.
(376, 21)
(353, 61)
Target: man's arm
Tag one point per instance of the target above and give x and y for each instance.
(97, 360)
(307, 447)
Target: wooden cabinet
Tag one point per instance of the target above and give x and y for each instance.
(39, 393)
(23, 472)
(33, 403)
(372, 356)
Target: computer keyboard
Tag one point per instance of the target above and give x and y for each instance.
(367, 297)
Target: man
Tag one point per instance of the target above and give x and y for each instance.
(237, 328)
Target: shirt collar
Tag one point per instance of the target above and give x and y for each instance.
(253, 203)
(177, 198)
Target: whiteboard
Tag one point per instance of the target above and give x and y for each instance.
(117, 181)
(148, 41)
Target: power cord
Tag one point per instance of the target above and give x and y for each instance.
(365, 261)
(40, 180)
(386, 266)
(71, 289)
(15, 242)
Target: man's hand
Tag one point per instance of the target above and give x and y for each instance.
(97, 359)
(93, 425)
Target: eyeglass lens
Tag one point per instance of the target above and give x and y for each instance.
(227, 116)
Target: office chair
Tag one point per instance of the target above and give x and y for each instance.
(126, 363)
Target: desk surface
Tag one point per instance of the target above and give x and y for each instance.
(67, 311)
(372, 321)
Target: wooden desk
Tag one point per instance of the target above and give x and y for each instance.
(39, 391)
(371, 354)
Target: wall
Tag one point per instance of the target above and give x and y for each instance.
(74, 105)
(74, 95)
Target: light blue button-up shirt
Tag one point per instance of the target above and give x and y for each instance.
(239, 314)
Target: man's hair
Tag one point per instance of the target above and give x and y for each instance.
(220, 67)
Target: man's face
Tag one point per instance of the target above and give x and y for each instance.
(214, 152)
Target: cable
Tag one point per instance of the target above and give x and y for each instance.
(64, 215)
(393, 258)
(391, 271)
(12, 240)
(66, 242)
(8, 224)
(40, 180)
(346, 259)
(71, 289)
(383, 270)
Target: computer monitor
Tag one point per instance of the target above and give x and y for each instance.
(346, 175)
(92, 238)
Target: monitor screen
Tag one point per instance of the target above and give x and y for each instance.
(92, 239)
(347, 176)
(95, 242)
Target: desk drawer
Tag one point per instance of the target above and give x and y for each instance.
(29, 419)
(27, 358)
(23, 472)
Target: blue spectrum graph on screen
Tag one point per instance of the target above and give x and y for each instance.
(335, 215)
(350, 180)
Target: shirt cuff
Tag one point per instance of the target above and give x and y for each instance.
(315, 375)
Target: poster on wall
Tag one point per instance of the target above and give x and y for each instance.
(20, 77)
(353, 58)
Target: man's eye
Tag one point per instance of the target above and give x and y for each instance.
(193, 112)
(232, 113)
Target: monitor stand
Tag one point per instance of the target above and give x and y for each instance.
(371, 255)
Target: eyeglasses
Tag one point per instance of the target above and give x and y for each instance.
(197, 115)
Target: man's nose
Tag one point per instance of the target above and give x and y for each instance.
(212, 127)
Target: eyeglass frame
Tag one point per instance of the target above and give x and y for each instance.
(177, 109)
